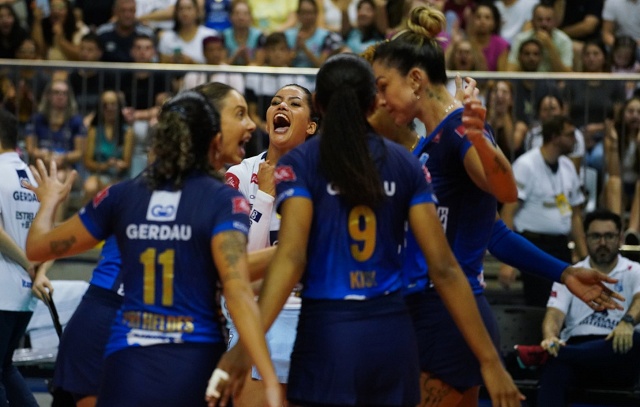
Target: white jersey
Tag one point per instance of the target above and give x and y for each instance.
(580, 319)
(547, 197)
(265, 221)
(18, 207)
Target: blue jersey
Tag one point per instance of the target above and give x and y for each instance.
(107, 272)
(354, 252)
(467, 213)
(164, 236)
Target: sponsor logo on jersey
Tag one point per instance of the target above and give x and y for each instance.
(240, 205)
(436, 139)
(232, 180)
(100, 197)
(427, 174)
(255, 216)
(163, 206)
(285, 173)
(554, 294)
(618, 286)
(254, 178)
(460, 131)
(24, 196)
(23, 178)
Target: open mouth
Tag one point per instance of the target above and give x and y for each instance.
(281, 123)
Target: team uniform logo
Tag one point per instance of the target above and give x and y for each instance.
(285, 173)
(100, 196)
(163, 206)
(232, 180)
(240, 205)
(23, 178)
(254, 178)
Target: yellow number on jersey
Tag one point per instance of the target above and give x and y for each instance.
(362, 229)
(148, 260)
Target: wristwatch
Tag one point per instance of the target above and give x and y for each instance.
(629, 319)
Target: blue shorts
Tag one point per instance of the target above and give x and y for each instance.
(355, 353)
(167, 375)
(280, 339)
(443, 351)
(81, 351)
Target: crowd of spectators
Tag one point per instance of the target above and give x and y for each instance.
(595, 36)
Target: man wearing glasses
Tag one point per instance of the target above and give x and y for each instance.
(594, 348)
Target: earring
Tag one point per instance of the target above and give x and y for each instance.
(417, 96)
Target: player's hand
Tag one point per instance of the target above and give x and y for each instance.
(506, 276)
(42, 287)
(229, 376)
(466, 92)
(502, 390)
(586, 284)
(266, 178)
(50, 189)
(473, 118)
(622, 337)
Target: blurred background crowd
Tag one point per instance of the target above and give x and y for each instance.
(95, 115)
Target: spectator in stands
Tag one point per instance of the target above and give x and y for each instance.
(157, 14)
(88, 84)
(580, 20)
(94, 13)
(215, 53)
(56, 132)
(29, 85)
(622, 136)
(591, 102)
(516, 16)
(312, 44)
(109, 148)
(274, 15)
(11, 32)
(557, 48)
(244, 43)
(590, 348)
(141, 87)
(620, 17)
(117, 37)
(330, 13)
(217, 14)
(528, 92)
(484, 34)
(58, 35)
(461, 55)
(183, 44)
(463, 10)
(260, 88)
(548, 212)
(368, 29)
(624, 60)
(548, 106)
(508, 130)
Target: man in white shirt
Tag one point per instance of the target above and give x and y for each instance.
(557, 48)
(18, 207)
(593, 348)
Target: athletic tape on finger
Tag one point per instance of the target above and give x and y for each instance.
(212, 388)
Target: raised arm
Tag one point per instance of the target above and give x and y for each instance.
(46, 241)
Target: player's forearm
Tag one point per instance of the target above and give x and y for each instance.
(10, 249)
(497, 170)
